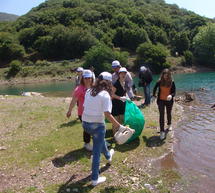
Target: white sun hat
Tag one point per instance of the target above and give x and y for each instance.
(123, 69)
(106, 76)
(79, 69)
(116, 64)
(87, 74)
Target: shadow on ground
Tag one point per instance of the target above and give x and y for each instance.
(84, 185)
(70, 123)
(154, 141)
(128, 146)
(70, 157)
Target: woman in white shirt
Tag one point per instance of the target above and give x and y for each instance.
(97, 107)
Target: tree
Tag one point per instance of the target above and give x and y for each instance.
(130, 38)
(101, 56)
(10, 48)
(204, 45)
(181, 43)
(151, 55)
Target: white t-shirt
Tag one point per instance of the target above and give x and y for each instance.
(95, 106)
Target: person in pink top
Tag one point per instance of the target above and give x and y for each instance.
(78, 96)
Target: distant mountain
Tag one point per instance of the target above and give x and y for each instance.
(8, 17)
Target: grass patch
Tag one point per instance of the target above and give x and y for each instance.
(37, 134)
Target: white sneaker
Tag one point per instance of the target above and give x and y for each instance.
(100, 179)
(111, 155)
(88, 147)
(162, 135)
(170, 127)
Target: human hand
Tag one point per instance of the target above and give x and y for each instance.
(68, 114)
(169, 97)
(123, 98)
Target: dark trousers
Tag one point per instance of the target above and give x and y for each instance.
(86, 136)
(161, 107)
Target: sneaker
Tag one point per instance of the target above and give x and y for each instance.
(88, 147)
(162, 135)
(170, 127)
(111, 155)
(100, 179)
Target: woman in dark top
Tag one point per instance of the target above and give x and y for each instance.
(119, 98)
(166, 93)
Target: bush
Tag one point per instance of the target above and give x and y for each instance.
(151, 55)
(15, 67)
(101, 57)
(42, 63)
(188, 58)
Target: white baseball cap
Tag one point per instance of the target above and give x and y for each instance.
(116, 64)
(123, 69)
(106, 76)
(143, 69)
(87, 74)
(79, 69)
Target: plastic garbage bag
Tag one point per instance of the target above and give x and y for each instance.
(134, 119)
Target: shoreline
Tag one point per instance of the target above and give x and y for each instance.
(42, 79)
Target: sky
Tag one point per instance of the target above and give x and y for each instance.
(18, 7)
(201, 7)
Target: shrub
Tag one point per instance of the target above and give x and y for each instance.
(15, 67)
(188, 57)
(151, 55)
(101, 57)
(42, 63)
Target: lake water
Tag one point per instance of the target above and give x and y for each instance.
(194, 150)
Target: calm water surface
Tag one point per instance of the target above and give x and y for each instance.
(194, 150)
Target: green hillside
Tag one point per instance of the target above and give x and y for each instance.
(66, 29)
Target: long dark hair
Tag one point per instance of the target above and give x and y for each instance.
(101, 85)
(166, 82)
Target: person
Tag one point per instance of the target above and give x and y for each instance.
(78, 96)
(145, 79)
(119, 98)
(79, 72)
(166, 92)
(97, 107)
(128, 80)
(94, 76)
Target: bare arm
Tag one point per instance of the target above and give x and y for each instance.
(71, 106)
(110, 118)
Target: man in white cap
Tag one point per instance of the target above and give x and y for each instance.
(128, 80)
(79, 72)
(145, 78)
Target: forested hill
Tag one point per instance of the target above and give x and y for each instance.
(66, 29)
(7, 17)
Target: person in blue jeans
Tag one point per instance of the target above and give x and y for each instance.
(97, 107)
(145, 79)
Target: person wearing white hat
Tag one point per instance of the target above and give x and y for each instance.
(78, 97)
(145, 79)
(128, 80)
(97, 107)
(79, 72)
(119, 98)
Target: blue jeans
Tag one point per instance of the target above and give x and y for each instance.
(146, 89)
(97, 130)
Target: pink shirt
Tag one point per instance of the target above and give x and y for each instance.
(79, 93)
